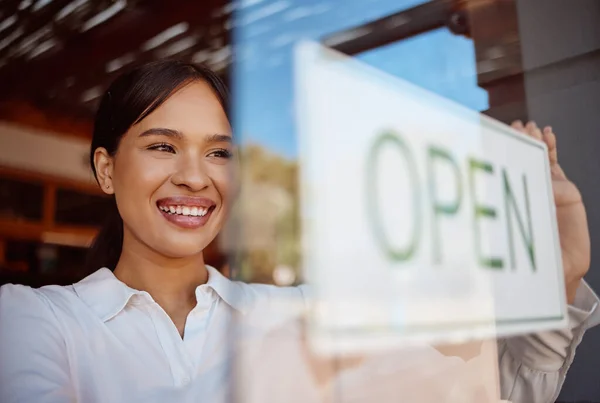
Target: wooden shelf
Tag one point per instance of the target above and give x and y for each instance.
(46, 179)
(46, 233)
(47, 230)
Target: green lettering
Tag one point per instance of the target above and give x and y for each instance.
(511, 205)
(449, 208)
(481, 212)
(390, 139)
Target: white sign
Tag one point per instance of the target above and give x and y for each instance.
(422, 220)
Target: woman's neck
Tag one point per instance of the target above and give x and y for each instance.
(171, 282)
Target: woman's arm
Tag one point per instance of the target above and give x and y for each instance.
(533, 367)
(33, 364)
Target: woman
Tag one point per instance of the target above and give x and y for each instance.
(150, 324)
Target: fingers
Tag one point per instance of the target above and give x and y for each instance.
(534, 131)
(547, 136)
(518, 125)
(550, 140)
(531, 129)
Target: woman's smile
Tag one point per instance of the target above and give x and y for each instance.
(185, 211)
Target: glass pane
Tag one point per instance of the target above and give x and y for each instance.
(267, 32)
(439, 61)
(268, 230)
(76, 208)
(21, 200)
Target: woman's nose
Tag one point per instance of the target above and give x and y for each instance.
(191, 174)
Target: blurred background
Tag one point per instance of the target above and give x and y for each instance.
(509, 59)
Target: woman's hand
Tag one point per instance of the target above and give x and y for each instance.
(570, 213)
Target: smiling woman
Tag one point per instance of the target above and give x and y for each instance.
(150, 311)
(152, 322)
(162, 139)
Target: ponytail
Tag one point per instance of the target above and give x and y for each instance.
(106, 248)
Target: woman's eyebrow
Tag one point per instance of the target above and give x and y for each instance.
(161, 131)
(218, 138)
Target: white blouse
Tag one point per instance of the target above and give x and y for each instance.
(101, 341)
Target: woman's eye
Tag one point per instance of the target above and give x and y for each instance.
(162, 147)
(221, 154)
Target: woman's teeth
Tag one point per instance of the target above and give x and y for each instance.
(185, 210)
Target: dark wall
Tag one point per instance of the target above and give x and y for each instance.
(560, 42)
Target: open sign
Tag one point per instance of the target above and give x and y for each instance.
(518, 223)
(422, 219)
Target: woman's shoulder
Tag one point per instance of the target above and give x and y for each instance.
(258, 294)
(269, 291)
(246, 297)
(17, 300)
(265, 307)
(267, 302)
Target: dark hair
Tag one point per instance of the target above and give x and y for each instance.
(129, 99)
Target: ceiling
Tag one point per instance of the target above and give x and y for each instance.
(58, 56)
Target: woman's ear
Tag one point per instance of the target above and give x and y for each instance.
(104, 164)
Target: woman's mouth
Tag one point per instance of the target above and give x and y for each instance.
(189, 213)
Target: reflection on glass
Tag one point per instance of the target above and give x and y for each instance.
(439, 61)
(266, 33)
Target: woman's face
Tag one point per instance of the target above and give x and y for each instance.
(171, 174)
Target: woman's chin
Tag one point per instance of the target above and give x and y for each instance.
(182, 249)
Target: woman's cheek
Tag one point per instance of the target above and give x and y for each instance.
(223, 178)
(151, 171)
